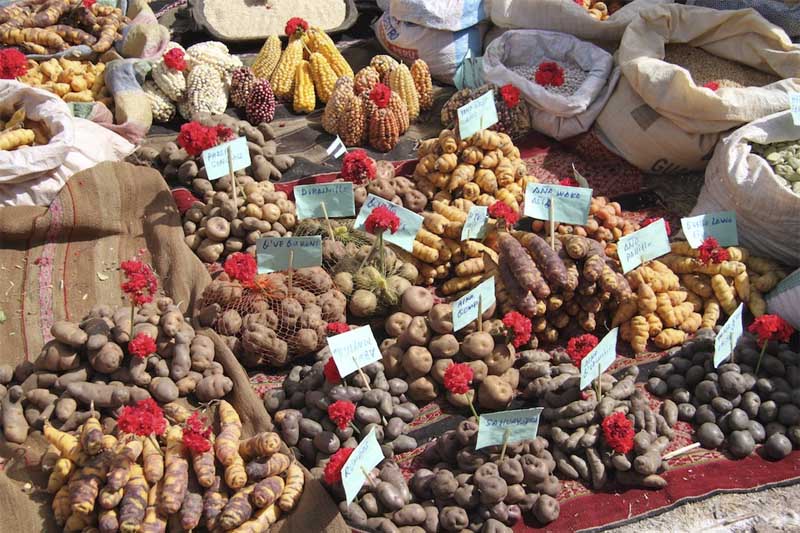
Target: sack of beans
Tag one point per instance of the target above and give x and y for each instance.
(784, 300)
(565, 81)
(585, 19)
(784, 13)
(450, 15)
(753, 172)
(689, 74)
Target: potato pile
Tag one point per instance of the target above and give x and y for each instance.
(422, 344)
(113, 481)
(572, 421)
(278, 319)
(16, 130)
(299, 410)
(73, 81)
(514, 121)
(732, 406)
(556, 288)
(89, 363)
(175, 164)
(600, 10)
(399, 190)
(223, 226)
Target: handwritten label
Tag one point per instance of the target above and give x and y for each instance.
(571, 203)
(794, 106)
(521, 424)
(582, 182)
(477, 115)
(365, 457)
(721, 226)
(273, 253)
(646, 244)
(337, 197)
(337, 148)
(465, 309)
(475, 225)
(216, 159)
(410, 222)
(354, 349)
(728, 336)
(599, 359)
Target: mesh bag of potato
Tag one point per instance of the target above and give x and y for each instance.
(279, 317)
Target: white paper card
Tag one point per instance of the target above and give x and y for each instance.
(599, 359)
(521, 424)
(354, 349)
(728, 336)
(721, 226)
(465, 309)
(475, 225)
(364, 458)
(646, 244)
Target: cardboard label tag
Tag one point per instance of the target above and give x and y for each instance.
(364, 458)
(582, 182)
(216, 159)
(721, 226)
(599, 359)
(647, 244)
(410, 222)
(337, 148)
(475, 225)
(465, 309)
(272, 253)
(571, 203)
(728, 336)
(521, 424)
(337, 197)
(477, 115)
(794, 106)
(354, 349)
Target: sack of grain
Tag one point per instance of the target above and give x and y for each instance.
(767, 211)
(784, 300)
(558, 111)
(566, 16)
(783, 13)
(661, 118)
(443, 51)
(450, 15)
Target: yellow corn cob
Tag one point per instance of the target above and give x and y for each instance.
(323, 75)
(267, 58)
(337, 104)
(422, 81)
(304, 97)
(401, 82)
(318, 41)
(282, 78)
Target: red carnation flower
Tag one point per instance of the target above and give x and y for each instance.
(341, 413)
(142, 345)
(224, 133)
(520, 325)
(196, 434)
(241, 266)
(13, 64)
(331, 372)
(502, 210)
(333, 470)
(184, 199)
(618, 431)
(568, 182)
(335, 328)
(649, 220)
(144, 418)
(175, 59)
(294, 25)
(770, 328)
(140, 283)
(89, 3)
(195, 138)
(458, 377)
(380, 219)
(549, 73)
(510, 95)
(380, 94)
(711, 85)
(358, 167)
(579, 347)
(711, 252)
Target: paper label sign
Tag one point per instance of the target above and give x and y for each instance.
(521, 425)
(721, 226)
(794, 105)
(410, 222)
(273, 253)
(599, 359)
(477, 115)
(354, 349)
(216, 159)
(337, 148)
(646, 244)
(365, 457)
(728, 336)
(337, 197)
(571, 204)
(579, 177)
(475, 225)
(465, 309)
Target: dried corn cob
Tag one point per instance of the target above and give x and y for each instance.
(267, 58)
(323, 75)
(305, 98)
(422, 81)
(318, 41)
(401, 82)
(282, 78)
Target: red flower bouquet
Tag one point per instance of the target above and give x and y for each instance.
(341, 413)
(380, 94)
(241, 266)
(381, 219)
(141, 346)
(510, 95)
(501, 210)
(520, 326)
(769, 328)
(294, 25)
(13, 64)
(175, 59)
(331, 372)
(711, 252)
(196, 434)
(358, 167)
(333, 470)
(549, 73)
(618, 432)
(579, 347)
(143, 419)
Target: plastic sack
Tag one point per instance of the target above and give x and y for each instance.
(553, 114)
(781, 13)
(450, 15)
(33, 175)
(658, 118)
(738, 180)
(784, 300)
(443, 51)
(567, 17)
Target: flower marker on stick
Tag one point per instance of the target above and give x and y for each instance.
(769, 328)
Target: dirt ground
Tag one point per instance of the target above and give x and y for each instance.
(767, 511)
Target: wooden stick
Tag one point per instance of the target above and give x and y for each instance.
(680, 451)
(552, 217)
(291, 273)
(480, 313)
(369, 477)
(362, 374)
(230, 174)
(327, 221)
(505, 444)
